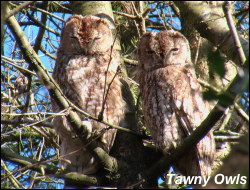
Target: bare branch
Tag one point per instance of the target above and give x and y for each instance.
(28, 163)
(16, 10)
(230, 22)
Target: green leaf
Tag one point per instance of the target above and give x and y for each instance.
(216, 63)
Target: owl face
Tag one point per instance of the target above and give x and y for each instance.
(86, 35)
(161, 49)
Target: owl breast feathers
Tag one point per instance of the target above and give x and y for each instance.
(171, 98)
(83, 71)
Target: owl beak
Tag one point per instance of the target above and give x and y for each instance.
(85, 51)
(166, 59)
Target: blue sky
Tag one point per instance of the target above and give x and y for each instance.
(31, 33)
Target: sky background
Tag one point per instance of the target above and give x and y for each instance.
(31, 32)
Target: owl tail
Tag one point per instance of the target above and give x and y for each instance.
(199, 161)
(206, 154)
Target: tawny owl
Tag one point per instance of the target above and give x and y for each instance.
(172, 99)
(84, 71)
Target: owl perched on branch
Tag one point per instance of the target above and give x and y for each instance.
(85, 70)
(172, 99)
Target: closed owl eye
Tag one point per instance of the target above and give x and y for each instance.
(175, 49)
(97, 38)
(150, 52)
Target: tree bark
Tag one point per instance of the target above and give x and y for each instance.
(201, 47)
(208, 18)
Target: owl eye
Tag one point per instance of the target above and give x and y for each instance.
(175, 50)
(97, 38)
(150, 52)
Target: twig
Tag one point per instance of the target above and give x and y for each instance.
(226, 132)
(136, 184)
(15, 182)
(22, 70)
(130, 61)
(141, 16)
(134, 9)
(34, 113)
(77, 178)
(65, 8)
(229, 95)
(227, 138)
(125, 14)
(105, 94)
(197, 50)
(47, 53)
(48, 13)
(36, 122)
(100, 116)
(228, 113)
(16, 10)
(41, 31)
(164, 23)
(175, 8)
(146, 11)
(24, 122)
(241, 112)
(137, 29)
(38, 23)
(230, 22)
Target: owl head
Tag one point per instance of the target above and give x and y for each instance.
(161, 49)
(86, 35)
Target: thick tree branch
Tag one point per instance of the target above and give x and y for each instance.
(214, 116)
(212, 26)
(164, 164)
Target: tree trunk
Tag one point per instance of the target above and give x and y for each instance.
(128, 148)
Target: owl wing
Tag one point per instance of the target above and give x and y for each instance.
(190, 110)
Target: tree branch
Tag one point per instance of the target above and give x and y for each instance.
(19, 8)
(28, 163)
(212, 26)
(188, 143)
(230, 22)
(207, 124)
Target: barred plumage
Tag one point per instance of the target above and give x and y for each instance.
(171, 98)
(83, 70)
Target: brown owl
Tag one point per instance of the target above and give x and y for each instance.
(171, 98)
(84, 71)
